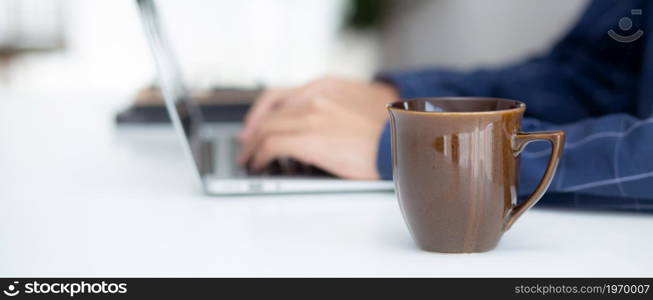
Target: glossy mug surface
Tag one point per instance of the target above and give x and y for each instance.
(455, 168)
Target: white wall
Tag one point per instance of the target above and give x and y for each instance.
(245, 41)
(469, 33)
(105, 52)
(281, 42)
(237, 42)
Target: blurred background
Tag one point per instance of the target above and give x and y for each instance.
(51, 47)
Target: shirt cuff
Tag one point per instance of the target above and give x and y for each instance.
(400, 82)
(384, 155)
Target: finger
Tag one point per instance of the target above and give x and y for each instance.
(274, 98)
(280, 145)
(302, 96)
(304, 118)
(282, 121)
(289, 97)
(260, 108)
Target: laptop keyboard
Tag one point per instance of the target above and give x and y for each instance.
(289, 167)
(279, 167)
(234, 150)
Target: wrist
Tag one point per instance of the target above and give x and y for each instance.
(386, 91)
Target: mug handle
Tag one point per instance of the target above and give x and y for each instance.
(519, 142)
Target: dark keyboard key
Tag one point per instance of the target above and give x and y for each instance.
(289, 167)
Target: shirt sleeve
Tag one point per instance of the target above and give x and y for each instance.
(608, 156)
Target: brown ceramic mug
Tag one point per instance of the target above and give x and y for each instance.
(455, 167)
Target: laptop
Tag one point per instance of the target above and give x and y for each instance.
(213, 147)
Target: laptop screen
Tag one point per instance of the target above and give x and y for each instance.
(184, 113)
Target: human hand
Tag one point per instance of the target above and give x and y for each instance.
(331, 123)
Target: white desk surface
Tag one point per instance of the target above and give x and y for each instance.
(80, 197)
